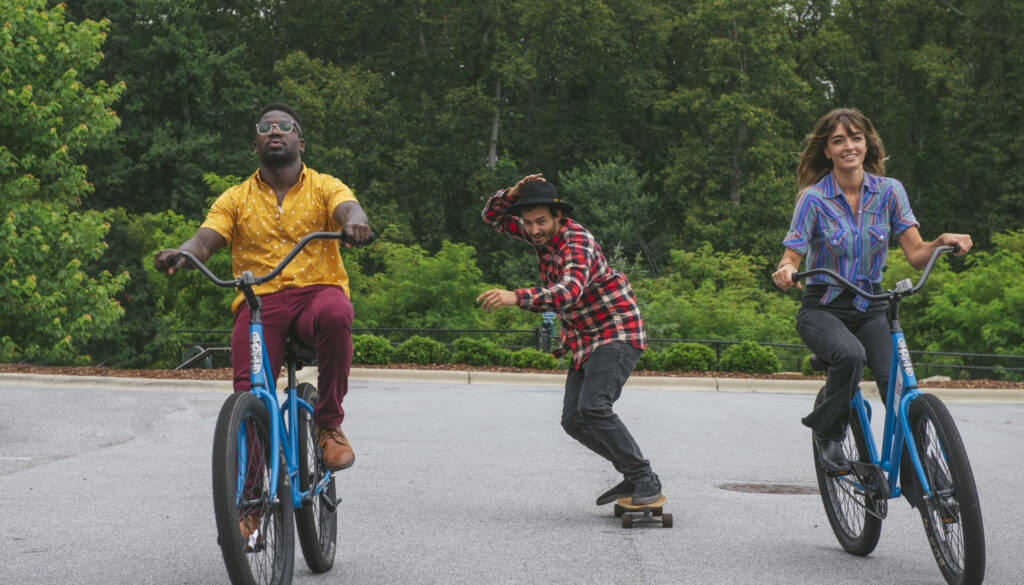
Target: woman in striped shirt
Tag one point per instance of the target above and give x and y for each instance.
(845, 213)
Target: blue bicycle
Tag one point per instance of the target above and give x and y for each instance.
(936, 474)
(257, 504)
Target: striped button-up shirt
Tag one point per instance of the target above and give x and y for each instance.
(595, 304)
(825, 231)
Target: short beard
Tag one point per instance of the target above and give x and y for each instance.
(277, 158)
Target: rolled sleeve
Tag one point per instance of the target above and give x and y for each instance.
(801, 228)
(222, 216)
(902, 217)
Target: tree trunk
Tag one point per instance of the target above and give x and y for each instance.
(492, 149)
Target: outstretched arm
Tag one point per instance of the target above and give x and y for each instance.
(353, 221)
(204, 244)
(919, 251)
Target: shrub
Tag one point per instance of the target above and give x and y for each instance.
(420, 350)
(479, 352)
(749, 357)
(648, 360)
(533, 358)
(371, 349)
(805, 367)
(688, 357)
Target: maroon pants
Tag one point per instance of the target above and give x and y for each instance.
(318, 315)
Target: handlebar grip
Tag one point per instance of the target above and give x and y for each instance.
(348, 240)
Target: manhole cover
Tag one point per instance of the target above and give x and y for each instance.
(770, 488)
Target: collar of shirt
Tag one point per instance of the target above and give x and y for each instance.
(263, 184)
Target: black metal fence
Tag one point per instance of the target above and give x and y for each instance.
(211, 348)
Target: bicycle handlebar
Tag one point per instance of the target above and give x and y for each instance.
(906, 290)
(236, 283)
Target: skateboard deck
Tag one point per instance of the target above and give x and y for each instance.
(652, 513)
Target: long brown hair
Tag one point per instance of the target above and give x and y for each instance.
(814, 165)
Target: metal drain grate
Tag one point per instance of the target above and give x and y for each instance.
(770, 488)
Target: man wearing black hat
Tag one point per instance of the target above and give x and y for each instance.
(600, 318)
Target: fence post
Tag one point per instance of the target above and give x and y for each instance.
(544, 333)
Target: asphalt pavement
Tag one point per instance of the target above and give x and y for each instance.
(471, 480)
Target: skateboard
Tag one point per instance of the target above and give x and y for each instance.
(642, 514)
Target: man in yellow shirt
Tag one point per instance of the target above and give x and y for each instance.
(264, 218)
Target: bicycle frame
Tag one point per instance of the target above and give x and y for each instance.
(284, 436)
(902, 388)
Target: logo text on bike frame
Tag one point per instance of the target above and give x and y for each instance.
(901, 346)
(255, 353)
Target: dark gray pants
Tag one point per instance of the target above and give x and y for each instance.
(848, 339)
(587, 416)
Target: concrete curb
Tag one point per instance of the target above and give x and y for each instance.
(554, 381)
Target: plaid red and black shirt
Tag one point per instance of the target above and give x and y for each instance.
(594, 303)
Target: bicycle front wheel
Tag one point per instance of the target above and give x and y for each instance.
(256, 534)
(952, 515)
(317, 519)
(845, 499)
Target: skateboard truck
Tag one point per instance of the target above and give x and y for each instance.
(642, 513)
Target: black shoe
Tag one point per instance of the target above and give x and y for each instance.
(625, 488)
(831, 456)
(647, 490)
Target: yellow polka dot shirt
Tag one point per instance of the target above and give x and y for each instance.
(262, 233)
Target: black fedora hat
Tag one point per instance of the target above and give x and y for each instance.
(538, 192)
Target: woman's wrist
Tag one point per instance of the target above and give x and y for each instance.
(783, 263)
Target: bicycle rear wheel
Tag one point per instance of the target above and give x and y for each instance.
(845, 500)
(241, 496)
(952, 515)
(317, 519)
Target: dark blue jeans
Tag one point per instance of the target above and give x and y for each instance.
(848, 339)
(590, 391)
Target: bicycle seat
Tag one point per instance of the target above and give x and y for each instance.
(817, 364)
(299, 353)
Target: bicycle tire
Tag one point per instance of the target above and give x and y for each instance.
(856, 530)
(267, 557)
(316, 522)
(952, 516)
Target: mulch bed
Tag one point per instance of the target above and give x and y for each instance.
(225, 374)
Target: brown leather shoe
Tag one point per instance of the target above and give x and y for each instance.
(337, 451)
(248, 525)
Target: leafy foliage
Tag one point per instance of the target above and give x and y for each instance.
(479, 352)
(688, 357)
(533, 359)
(749, 357)
(49, 305)
(648, 360)
(421, 350)
(707, 294)
(371, 349)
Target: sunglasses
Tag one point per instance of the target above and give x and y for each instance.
(263, 128)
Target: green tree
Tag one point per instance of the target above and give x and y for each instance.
(729, 178)
(49, 304)
(194, 86)
(610, 201)
(707, 294)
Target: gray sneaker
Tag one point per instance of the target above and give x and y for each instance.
(625, 488)
(647, 490)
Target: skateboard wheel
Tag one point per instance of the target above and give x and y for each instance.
(619, 511)
(666, 521)
(627, 521)
(656, 511)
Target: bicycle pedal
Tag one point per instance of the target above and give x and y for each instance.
(331, 505)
